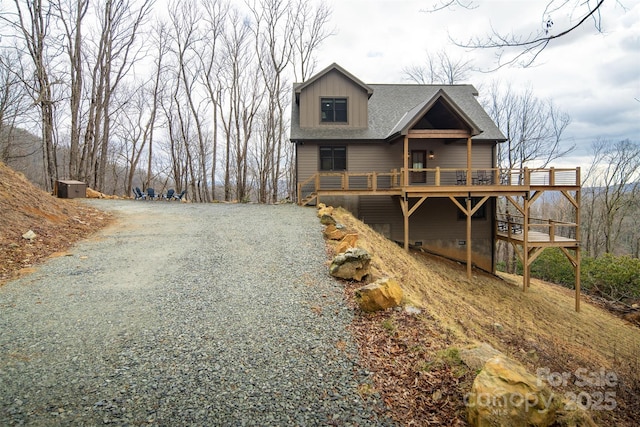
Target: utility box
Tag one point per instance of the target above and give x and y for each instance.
(69, 189)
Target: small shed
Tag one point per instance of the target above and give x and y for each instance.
(69, 189)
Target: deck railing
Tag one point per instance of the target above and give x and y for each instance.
(436, 177)
(514, 224)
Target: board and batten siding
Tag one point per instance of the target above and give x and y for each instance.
(334, 84)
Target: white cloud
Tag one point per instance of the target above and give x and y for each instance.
(592, 76)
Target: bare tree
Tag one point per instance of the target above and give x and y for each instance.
(115, 55)
(215, 17)
(613, 191)
(185, 19)
(242, 95)
(275, 22)
(160, 39)
(534, 128)
(33, 24)
(309, 31)
(14, 105)
(440, 68)
(70, 14)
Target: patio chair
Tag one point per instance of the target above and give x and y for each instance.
(181, 195)
(151, 193)
(461, 177)
(138, 194)
(484, 178)
(170, 193)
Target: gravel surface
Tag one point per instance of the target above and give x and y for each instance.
(184, 314)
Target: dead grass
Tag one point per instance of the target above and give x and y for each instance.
(57, 223)
(539, 328)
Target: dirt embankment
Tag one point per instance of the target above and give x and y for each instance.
(57, 223)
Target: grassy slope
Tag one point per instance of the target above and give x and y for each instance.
(539, 328)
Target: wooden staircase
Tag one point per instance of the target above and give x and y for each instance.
(310, 197)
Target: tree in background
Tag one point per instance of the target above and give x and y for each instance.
(14, 106)
(32, 24)
(611, 197)
(534, 130)
(202, 94)
(440, 68)
(534, 127)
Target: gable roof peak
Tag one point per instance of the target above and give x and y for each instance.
(338, 68)
(411, 117)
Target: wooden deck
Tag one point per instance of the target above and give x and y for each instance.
(536, 238)
(443, 182)
(519, 187)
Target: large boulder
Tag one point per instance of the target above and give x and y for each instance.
(335, 232)
(349, 241)
(475, 357)
(327, 219)
(324, 210)
(353, 264)
(93, 194)
(379, 295)
(505, 394)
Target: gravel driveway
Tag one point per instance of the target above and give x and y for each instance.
(183, 314)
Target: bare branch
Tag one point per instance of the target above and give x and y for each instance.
(531, 46)
(450, 4)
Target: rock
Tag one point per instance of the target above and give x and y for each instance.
(324, 210)
(498, 326)
(476, 357)
(575, 418)
(379, 295)
(332, 232)
(327, 220)
(29, 235)
(93, 194)
(347, 242)
(354, 264)
(505, 394)
(412, 310)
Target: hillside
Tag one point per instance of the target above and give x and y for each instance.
(57, 223)
(415, 358)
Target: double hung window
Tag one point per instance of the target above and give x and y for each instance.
(333, 110)
(333, 158)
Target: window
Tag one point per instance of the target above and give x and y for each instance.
(333, 158)
(481, 213)
(333, 110)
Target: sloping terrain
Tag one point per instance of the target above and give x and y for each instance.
(57, 223)
(415, 358)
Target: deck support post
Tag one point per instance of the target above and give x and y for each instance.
(406, 161)
(404, 204)
(469, 237)
(578, 231)
(469, 176)
(526, 266)
(577, 274)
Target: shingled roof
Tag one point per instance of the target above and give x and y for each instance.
(393, 106)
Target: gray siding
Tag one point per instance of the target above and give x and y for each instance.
(435, 225)
(333, 84)
(383, 157)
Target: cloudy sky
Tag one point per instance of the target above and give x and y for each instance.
(594, 77)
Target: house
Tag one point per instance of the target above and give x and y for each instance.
(418, 163)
